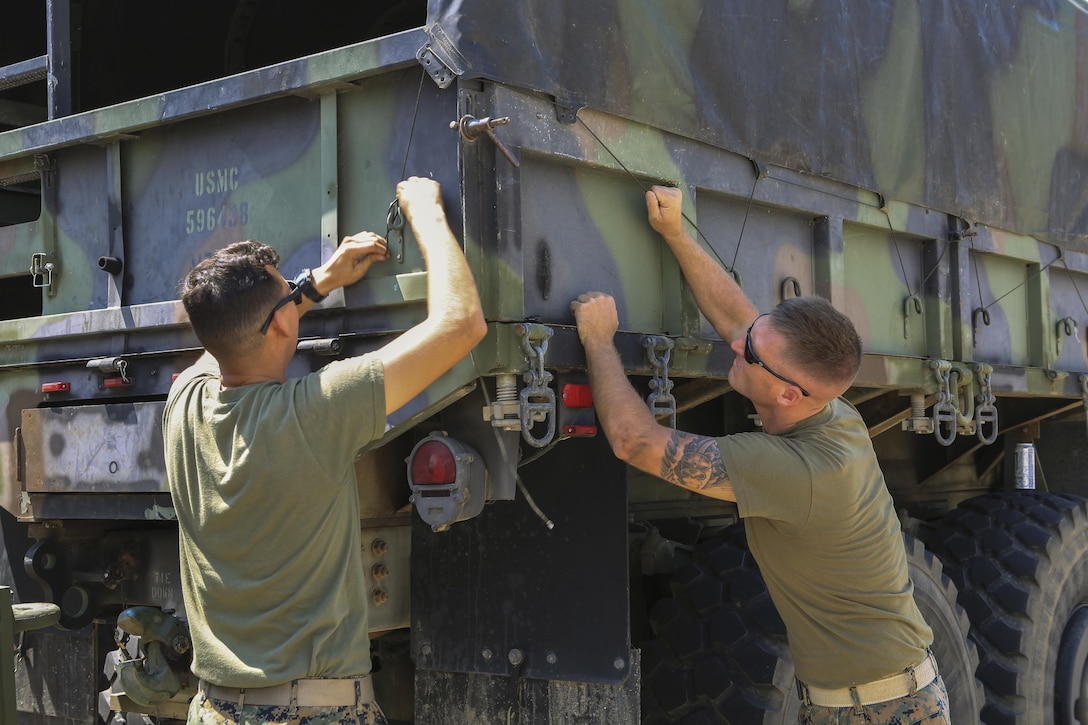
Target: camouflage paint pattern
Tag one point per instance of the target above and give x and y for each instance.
(916, 184)
(940, 104)
(158, 183)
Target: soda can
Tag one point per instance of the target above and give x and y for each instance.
(1025, 466)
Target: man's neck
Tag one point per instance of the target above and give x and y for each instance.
(254, 369)
(237, 381)
(777, 421)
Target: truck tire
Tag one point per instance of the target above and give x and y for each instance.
(720, 653)
(957, 657)
(1020, 562)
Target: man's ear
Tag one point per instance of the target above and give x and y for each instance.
(279, 322)
(790, 395)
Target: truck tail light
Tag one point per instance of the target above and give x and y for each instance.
(448, 481)
(433, 463)
(577, 395)
(577, 418)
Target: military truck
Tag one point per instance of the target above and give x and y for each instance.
(920, 165)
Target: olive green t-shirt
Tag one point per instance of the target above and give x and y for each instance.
(262, 479)
(822, 526)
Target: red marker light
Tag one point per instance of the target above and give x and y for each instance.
(117, 382)
(434, 464)
(577, 396)
(56, 387)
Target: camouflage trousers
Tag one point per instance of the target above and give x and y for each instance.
(928, 706)
(208, 711)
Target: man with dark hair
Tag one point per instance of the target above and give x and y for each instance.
(261, 471)
(818, 516)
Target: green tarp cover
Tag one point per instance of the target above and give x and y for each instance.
(973, 107)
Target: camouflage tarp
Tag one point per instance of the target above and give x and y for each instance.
(973, 107)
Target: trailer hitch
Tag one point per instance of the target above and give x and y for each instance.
(162, 669)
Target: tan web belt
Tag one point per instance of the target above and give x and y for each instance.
(905, 683)
(301, 693)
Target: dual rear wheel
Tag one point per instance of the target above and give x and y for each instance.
(720, 653)
(1003, 584)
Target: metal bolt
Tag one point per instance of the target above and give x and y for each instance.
(426, 650)
(379, 571)
(516, 657)
(551, 657)
(487, 654)
(619, 663)
(379, 597)
(378, 547)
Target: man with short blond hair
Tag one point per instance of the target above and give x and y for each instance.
(818, 516)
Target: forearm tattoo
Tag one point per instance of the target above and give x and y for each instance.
(693, 462)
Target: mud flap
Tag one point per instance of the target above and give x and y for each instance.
(502, 595)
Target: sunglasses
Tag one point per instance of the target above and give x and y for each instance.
(751, 358)
(295, 295)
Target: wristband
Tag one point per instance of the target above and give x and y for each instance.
(305, 282)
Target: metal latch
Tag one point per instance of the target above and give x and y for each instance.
(537, 399)
(108, 365)
(944, 410)
(327, 346)
(42, 266)
(985, 408)
(394, 229)
(661, 401)
(472, 128)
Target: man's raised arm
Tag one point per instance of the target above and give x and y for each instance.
(718, 295)
(455, 322)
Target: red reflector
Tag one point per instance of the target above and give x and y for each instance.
(117, 382)
(56, 387)
(434, 463)
(577, 396)
(580, 430)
